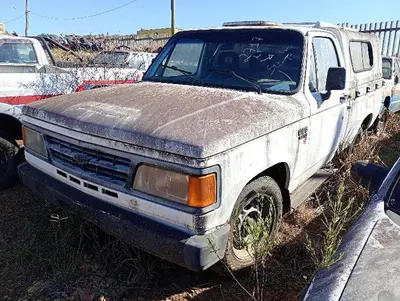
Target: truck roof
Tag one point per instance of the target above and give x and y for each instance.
(302, 27)
(14, 38)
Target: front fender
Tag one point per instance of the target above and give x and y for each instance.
(14, 111)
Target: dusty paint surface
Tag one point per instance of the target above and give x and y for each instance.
(191, 121)
(376, 275)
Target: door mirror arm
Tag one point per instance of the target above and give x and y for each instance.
(326, 95)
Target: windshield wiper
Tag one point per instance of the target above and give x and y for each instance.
(233, 74)
(177, 69)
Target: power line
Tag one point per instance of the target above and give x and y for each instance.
(15, 19)
(83, 17)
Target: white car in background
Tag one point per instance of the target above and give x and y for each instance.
(114, 67)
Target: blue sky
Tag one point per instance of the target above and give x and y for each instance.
(189, 13)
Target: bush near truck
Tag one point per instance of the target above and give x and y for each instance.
(229, 125)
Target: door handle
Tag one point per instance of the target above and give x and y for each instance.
(344, 97)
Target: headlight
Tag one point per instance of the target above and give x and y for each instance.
(194, 191)
(34, 141)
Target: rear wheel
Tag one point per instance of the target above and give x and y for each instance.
(260, 199)
(357, 139)
(9, 160)
(381, 122)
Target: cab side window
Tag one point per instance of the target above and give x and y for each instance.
(313, 74)
(323, 57)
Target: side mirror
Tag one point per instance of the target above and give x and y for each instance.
(336, 79)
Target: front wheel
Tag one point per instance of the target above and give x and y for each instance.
(260, 200)
(9, 159)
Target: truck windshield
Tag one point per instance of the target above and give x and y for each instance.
(17, 53)
(243, 59)
(387, 68)
(110, 58)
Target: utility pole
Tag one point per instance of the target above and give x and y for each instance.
(26, 18)
(172, 17)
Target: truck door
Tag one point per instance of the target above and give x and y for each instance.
(328, 109)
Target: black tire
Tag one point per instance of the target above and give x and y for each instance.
(381, 122)
(256, 191)
(357, 139)
(10, 157)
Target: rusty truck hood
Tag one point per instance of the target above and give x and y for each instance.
(192, 121)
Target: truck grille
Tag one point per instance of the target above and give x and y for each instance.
(89, 162)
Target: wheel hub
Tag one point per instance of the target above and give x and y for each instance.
(249, 215)
(257, 208)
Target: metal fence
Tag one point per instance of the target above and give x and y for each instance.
(388, 33)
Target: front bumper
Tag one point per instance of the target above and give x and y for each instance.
(195, 252)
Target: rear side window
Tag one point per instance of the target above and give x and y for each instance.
(387, 68)
(361, 55)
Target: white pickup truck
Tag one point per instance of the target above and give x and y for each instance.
(26, 75)
(391, 75)
(28, 72)
(228, 125)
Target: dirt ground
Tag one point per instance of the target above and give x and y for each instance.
(48, 254)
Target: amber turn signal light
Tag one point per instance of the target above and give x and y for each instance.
(202, 191)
